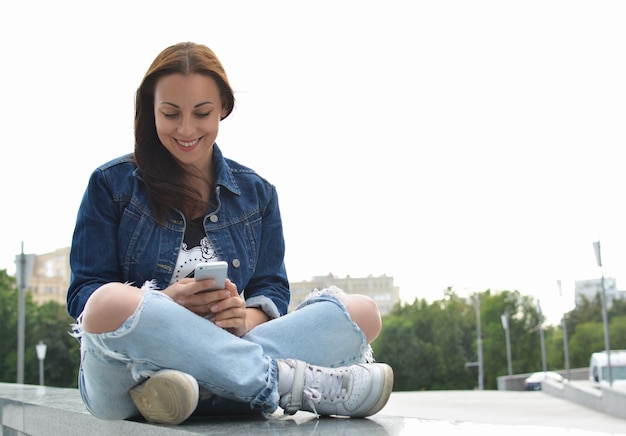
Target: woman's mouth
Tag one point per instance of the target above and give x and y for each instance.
(187, 144)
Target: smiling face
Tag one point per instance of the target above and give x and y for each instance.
(187, 114)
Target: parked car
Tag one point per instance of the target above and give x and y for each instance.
(533, 381)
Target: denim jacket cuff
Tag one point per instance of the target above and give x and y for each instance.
(265, 304)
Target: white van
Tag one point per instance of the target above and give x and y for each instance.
(599, 369)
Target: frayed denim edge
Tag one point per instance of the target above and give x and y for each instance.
(333, 294)
(97, 339)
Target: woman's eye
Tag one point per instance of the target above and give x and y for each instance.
(166, 115)
(203, 114)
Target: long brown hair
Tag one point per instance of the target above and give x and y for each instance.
(165, 178)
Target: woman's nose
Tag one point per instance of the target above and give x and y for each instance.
(186, 126)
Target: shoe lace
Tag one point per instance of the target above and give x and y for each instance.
(323, 385)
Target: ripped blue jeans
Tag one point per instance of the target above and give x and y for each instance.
(240, 375)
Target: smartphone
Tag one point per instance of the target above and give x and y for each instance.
(212, 270)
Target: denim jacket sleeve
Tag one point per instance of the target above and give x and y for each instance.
(267, 287)
(93, 255)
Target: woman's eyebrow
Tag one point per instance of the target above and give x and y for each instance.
(178, 107)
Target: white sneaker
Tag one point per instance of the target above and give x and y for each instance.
(168, 397)
(357, 390)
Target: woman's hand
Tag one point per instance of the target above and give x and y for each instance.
(225, 307)
(230, 312)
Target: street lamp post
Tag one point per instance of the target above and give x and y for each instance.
(479, 343)
(544, 363)
(505, 324)
(20, 318)
(565, 339)
(566, 348)
(41, 355)
(24, 265)
(605, 317)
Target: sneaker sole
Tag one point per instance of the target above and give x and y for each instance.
(168, 397)
(385, 392)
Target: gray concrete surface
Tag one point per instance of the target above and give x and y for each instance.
(34, 410)
(516, 411)
(591, 395)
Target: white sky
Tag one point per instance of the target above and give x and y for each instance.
(473, 144)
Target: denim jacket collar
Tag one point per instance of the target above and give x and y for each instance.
(223, 173)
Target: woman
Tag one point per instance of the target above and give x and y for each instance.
(152, 343)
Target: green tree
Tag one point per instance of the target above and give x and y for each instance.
(428, 345)
(402, 347)
(63, 354)
(618, 308)
(398, 346)
(617, 332)
(453, 321)
(8, 327)
(587, 339)
(585, 328)
(587, 310)
(524, 331)
(49, 323)
(554, 348)
(9, 324)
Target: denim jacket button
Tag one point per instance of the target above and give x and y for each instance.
(236, 263)
(213, 218)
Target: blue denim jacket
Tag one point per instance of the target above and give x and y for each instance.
(116, 239)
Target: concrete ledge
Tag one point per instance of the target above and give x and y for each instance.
(516, 382)
(578, 390)
(27, 410)
(37, 410)
(33, 411)
(601, 399)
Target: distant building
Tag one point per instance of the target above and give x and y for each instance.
(590, 288)
(51, 278)
(380, 289)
